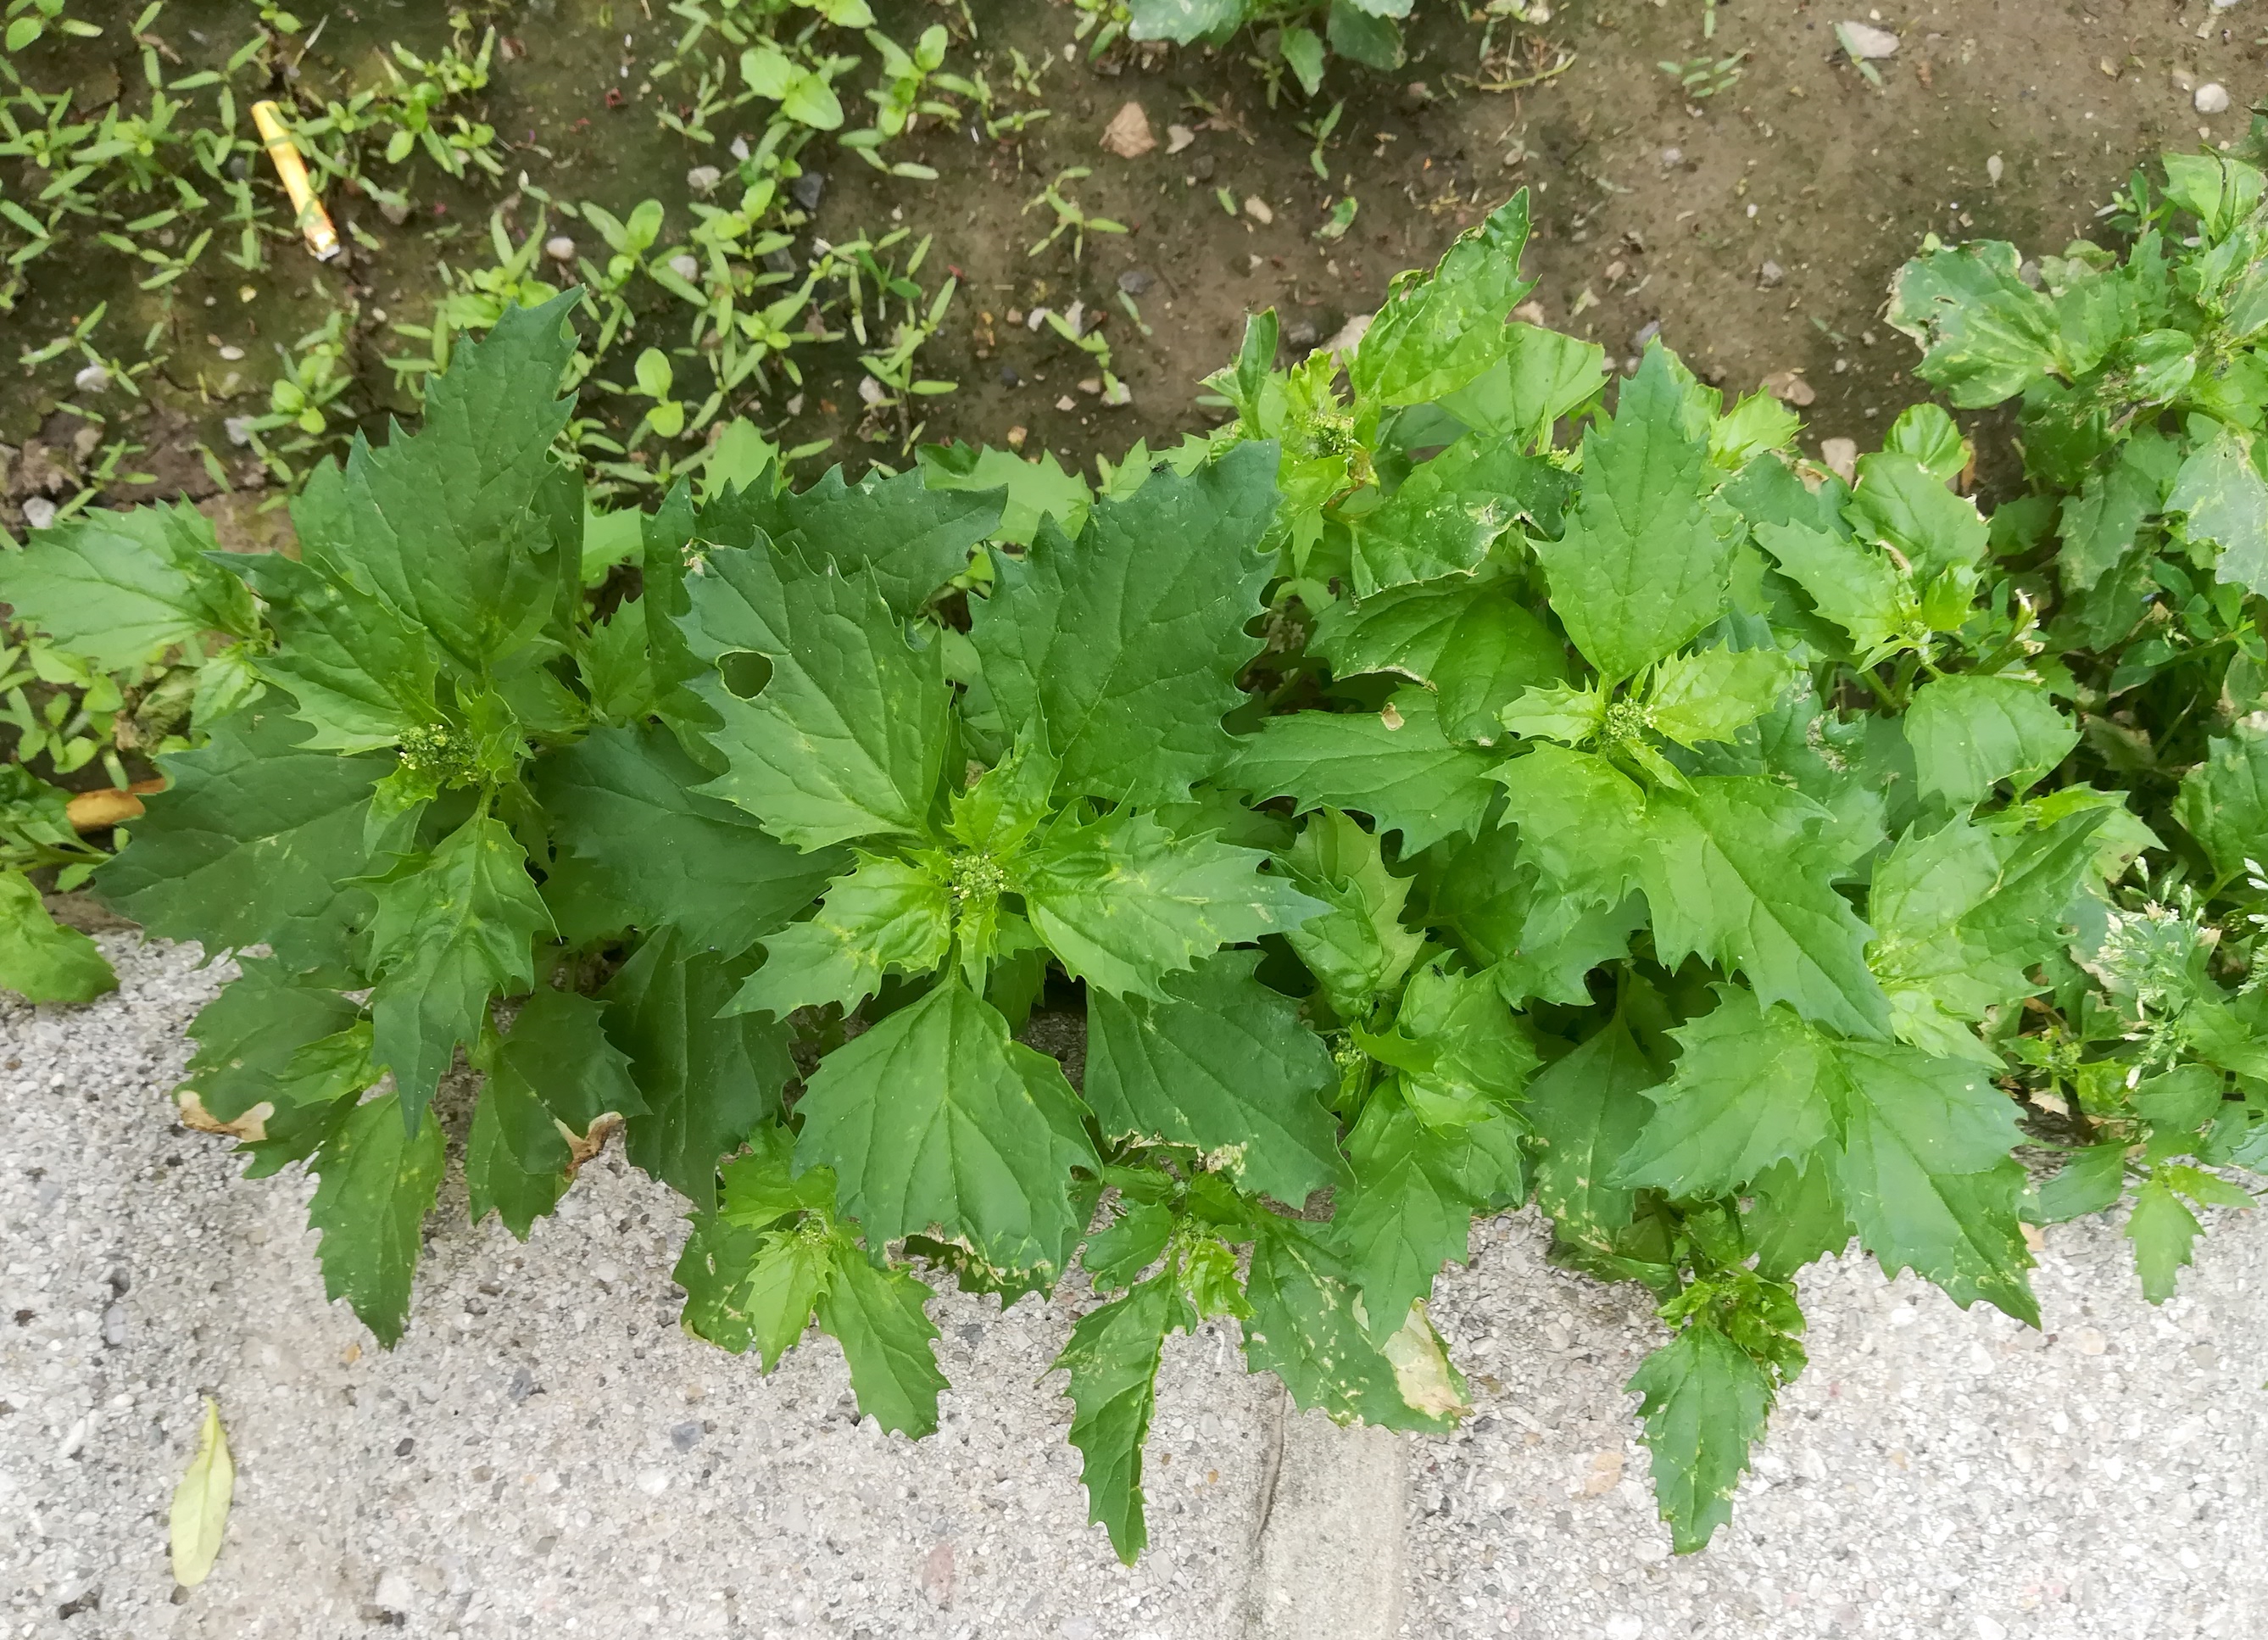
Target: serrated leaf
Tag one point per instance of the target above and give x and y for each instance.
(747, 1287)
(847, 737)
(1398, 768)
(2162, 1229)
(936, 1123)
(2225, 501)
(41, 960)
(1124, 903)
(886, 917)
(1987, 335)
(1410, 1208)
(497, 1177)
(1448, 512)
(1112, 1357)
(452, 929)
(1183, 22)
(879, 1318)
(1706, 1403)
(2099, 523)
(1753, 1086)
(1358, 946)
(1035, 489)
(1114, 1256)
(120, 588)
(1477, 1055)
(1969, 733)
(469, 528)
(1793, 1216)
(2090, 1180)
(376, 1181)
(707, 1080)
(1475, 646)
(255, 842)
(1644, 564)
(356, 672)
(1927, 1175)
(913, 538)
(198, 1517)
(2223, 802)
(1900, 503)
(1307, 1327)
(251, 1036)
(1437, 331)
(558, 1049)
(621, 804)
(1713, 694)
(1855, 587)
(1126, 644)
(1223, 1064)
(1543, 377)
(1587, 1109)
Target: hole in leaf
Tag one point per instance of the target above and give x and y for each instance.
(745, 672)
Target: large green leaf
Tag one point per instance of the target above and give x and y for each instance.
(622, 805)
(120, 588)
(1475, 646)
(1124, 903)
(1855, 587)
(1705, 1402)
(357, 672)
(558, 1050)
(1988, 335)
(1437, 331)
(1359, 947)
(886, 917)
(746, 1286)
(2223, 802)
(41, 960)
(467, 528)
(1185, 22)
(706, 1081)
(1448, 512)
(936, 1123)
(2221, 491)
(1753, 1087)
(1126, 644)
(452, 929)
(250, 1039)
(912, 537)
(1645, 563)
(497, 1177)
(1542, 376)
(1411, 1207)
(255, 842)
(1902, 504)
(1586, 1108)
(1396, 767)
(377, 1180)
(848, 736)
(1223, 1065)
(877, 1316)
(1112, 1357)
(1969, 733)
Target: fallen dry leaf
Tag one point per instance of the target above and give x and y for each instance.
(201, 1503)
(1840, 456)
(1128, 134)
(252, 1126)
(112, 805)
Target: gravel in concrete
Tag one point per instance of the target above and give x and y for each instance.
(548, 1453)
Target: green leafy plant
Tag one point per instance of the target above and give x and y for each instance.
(1435, 791)
(1305, 32)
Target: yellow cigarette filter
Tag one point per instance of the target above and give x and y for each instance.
(314, 221)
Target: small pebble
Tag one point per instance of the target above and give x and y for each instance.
(394, 1593)
(1257, 207)
(1993, 170)
(686, 268)
(92, 379)
(1066, 402)
(559, 248)
(232, 353)
(1009, 378)
(2212, 97)
(39, 512)
(652, 1482)
(1864, 39)
(808, 189)
(703, 178)
(1840, 456)
(1135, 281)
(1771, 273)
(1672, 157)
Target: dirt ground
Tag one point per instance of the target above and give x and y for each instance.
(1757, 226)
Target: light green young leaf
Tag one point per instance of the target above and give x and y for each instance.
(452, 930)
(1477, 1055)
(1715, 693)
(1359, 947)
(1706, 1403)
(1855, 587)
(847, 737)
(1124, 903)
(121, 588)
(879, 1316)
(1557, 712)
(1395, 766)
(1223, 1065)
(1927, 434)
(1448, 513)
(1644, 563)
(1112, 1357)
(1437, 331)
(1753, 1086)
(1901, 505)
(1543, 377)
(40, 960)
(1009, 802)
(1969, 733)
(377, 1180)
(886, 917)
(1185, 22)
(199, 1513)
(2164, 1230)
(1126, 644)
(936, 1124)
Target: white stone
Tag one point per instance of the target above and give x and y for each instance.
(559, 248)
(652, 1482)
(1864, 39)
(2212, 97)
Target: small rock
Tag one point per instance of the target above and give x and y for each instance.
(683, 1435)
(740, 149)
(937, 1575)
(1078, 1629)
(1201, 168)
(1864, 39)
(92, 379)
(1348, 336)
(74, 1437)
(781, 261)
(1415, 95)
(1066, 402)
(652, 1482)
(703, 178)
(1135, 281)
(1789, 388)
(1016, 437)
(1624, 1627)
(1090, 385)
(1994, 170)
(1647, 332)
(1257, 207)
(686, 266)
(1034, 319)
(1987, 1629)
(394, 1593)
(522, 1386)
(232, 353)
(1672, 157)
(2088, 1341)
(1117, 395)
(394, 211)
(1010, 379)
(113, 1327)
(1529, 312)
(1178, 137)
(808, 189)
(872, 392)
(1770, 275)
(39, 512)
(607, 1271)
(1301, 337)
(1840, 456)
(2212, 97)
(559, 248)
(1128, 134)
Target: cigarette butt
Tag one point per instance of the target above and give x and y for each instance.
(97, 811)
(314, 221)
